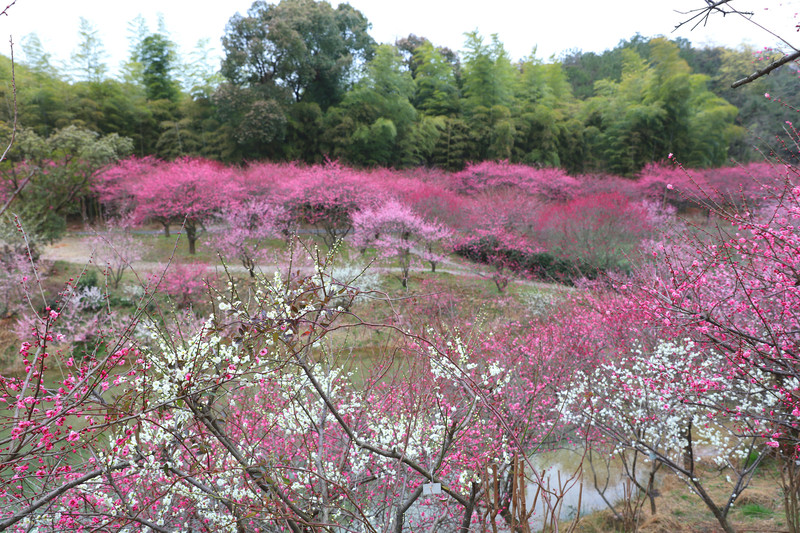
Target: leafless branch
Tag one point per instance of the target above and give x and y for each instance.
(5, 11)
(14, 92)
(766, 70)
(700, 16)
(16, 192)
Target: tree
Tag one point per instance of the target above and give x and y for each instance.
(437, 92)
(177, 435)
(665, 404)
(658, 107)
(326, 197)
(35, 56)
(724, 7)
(488, 88)
(62, 167)
(115, 250)
(598, 233)
(185, 191)
(545, 99)
(488, 74)
(378, 112)
(302, 46)
(254, 118)
(400, 234)
(733, 289)
(504, 251)
(157, 56)
(87, 60)
(248, 225)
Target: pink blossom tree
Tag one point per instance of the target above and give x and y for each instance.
(190, 191)
(247, 227)
(187, 191)
(115, 186)
(732, 287)
(174, 432)
(504, 251)
(400, 234)
(597, 233)
(326, 198)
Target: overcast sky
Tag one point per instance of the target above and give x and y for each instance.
(551, 26)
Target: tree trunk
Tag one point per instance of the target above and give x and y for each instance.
(191, 236)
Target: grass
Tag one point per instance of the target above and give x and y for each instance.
(754, 510)
(759, 508)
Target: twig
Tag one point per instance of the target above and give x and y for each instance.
(704, 12)
(55, 493)
(16, 192)
(766, 70)
(14, 92)
(701, 16)
(5, 11)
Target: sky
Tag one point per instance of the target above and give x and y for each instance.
(552, 27)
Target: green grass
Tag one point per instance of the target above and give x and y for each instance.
(158, 248)
(754, 510)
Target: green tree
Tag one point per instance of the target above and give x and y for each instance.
(304, 133)
(545, 103)
(437, 92)
(379, 112)
(36, 58)
(627, 120)
(488, 76)
(199, 72)
(88, 59)
(488, 96)
(306, 47)
(761, 119)
(452, 148)
(407, 48)
(61, 167)
(657, 107)
(131, 71)
(158, 57)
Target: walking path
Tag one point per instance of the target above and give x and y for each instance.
(73, 248)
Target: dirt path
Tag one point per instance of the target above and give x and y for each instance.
(74, 249)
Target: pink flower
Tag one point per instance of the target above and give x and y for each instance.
(73, 436)
(669, 186)
(766, 95)
(669, 156)
(772, 444)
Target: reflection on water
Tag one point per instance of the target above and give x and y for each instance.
(557, 471)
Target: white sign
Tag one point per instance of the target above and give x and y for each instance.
(431, 488)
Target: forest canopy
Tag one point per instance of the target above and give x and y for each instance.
(303, 81)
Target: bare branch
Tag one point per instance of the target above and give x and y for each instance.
(14, 92)
(766, 70)
(15, 193)
(5, 11)
(700, 16)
